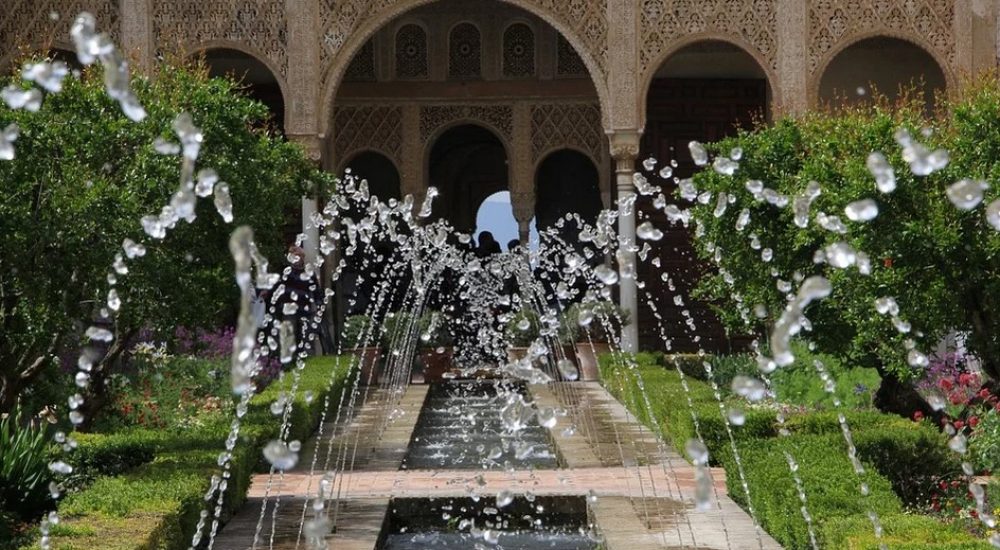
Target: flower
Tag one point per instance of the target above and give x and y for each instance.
(918, 416)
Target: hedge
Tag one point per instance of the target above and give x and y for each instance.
(901, 459)
(156, 505)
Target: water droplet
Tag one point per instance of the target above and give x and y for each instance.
(696, 451)
(606, 275)
(648, 232)
(223, 202)
(567, 369)
(885, 176)
(725, 166)
(966, 194)
(649, 164)
(841, 255)
(698, 153)
(862, 210)
(279, 455)
(7, 139)
(99, 334)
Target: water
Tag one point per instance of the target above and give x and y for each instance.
(461, 427)
(528, 523)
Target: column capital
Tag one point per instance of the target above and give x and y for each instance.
(625, 149)
(310, 143)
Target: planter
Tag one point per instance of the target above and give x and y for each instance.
(586, 359)
(367, 359)
(515, 354)
(436, 364)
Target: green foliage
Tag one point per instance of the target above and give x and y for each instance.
(900, 532)
(902, 458)
(24, 470)
(603, 312)
(936, 260)
(82, 178)
(519, 337)
(984, 445)
(351, 333)
(156, 504)
(827, 478)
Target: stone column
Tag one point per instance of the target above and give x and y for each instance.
(624, 150)
(791, 91)
(411, 171)
(302, 75)
(975, 31)
(521, 170)
(302, 81)
(137, 33)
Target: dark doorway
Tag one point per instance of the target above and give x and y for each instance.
(379, 172)
(467, 164)
(680, 110)
(566, 181)
(254, 77)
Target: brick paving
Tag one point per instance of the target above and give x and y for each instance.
(643, 491)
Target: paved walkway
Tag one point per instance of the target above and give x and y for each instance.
(641, 491)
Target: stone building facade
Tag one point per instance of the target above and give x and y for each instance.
(563, 82)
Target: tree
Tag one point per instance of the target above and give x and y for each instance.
(82, 177)
(937, 261)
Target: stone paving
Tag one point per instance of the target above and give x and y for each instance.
(644, 490)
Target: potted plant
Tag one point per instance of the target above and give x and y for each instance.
(366, 353)
(522, 329)
(436, 346)
(591, 325)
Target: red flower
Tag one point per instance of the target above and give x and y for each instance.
(965, 379)
(956, 398)
(918, 416)
(959, 424)
(945, 384)
(973, 421)
(887, 262)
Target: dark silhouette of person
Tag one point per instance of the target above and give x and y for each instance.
(487, 245)
(512, 244)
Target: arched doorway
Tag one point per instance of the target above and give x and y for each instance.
(703, 92)
(467, 163)
(884, 65)
(566, 181)
(253, 75)
(496, 215)
(379, 172)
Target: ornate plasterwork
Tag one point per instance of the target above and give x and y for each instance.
(587, 19)
(518, 51)
(834, 22)
(663, 23)
(465, 52)
(37, 23)
(260, 25)
(362, 67)
(358, 128)
(411, 52)
(561, 125)
(495, 116)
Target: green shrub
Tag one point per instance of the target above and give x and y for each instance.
(828, 480)
(900, 532)
(24, 471)
(95, 174)
(935, 259)
(984, 445)
(523, 337)
(157, 504)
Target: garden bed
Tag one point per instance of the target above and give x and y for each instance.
(902, 459)
(155, 497)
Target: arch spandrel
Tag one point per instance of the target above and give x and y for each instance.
(36, 24)
(258, 25)
(836, 24)
(816, 77)
(346, 25)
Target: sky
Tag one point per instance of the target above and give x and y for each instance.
(496, 216)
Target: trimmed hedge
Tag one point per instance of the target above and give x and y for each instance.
(901, 458)
(156, 505)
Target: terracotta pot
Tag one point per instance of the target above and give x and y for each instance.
(516, 354)
(368, 358)
(436, 364)
(586, 359)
